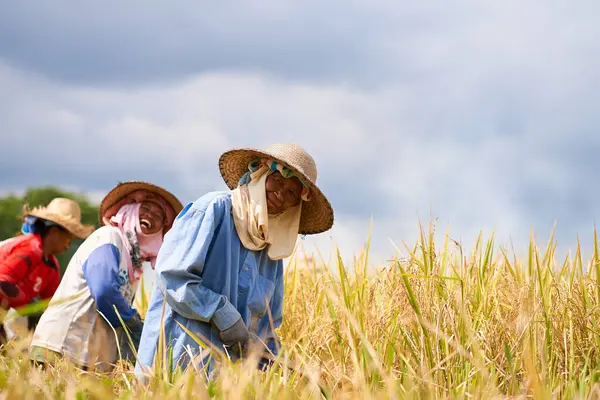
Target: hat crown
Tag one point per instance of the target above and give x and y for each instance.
(125, 192)
(66, 208)
(295, 157)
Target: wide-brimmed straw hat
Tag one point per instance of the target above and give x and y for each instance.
(117, 197)
(63, 212)
(317, 214)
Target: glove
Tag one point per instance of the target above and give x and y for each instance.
(235, 335)
(134, 326)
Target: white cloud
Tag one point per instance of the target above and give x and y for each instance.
(365, 167)
(484, 113)
(95, 196)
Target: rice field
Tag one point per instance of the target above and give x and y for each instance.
(439, 323)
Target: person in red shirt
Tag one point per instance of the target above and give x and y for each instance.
(29, 269)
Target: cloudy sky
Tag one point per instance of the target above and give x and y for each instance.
(484, 115)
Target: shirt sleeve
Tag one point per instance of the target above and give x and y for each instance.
(101, 272)
(13, 271)
(181, 263)
(16, 266)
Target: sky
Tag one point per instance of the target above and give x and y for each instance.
(482, 116)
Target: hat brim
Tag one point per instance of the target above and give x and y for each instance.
(125, 188)
(77, 229)
(317, 214)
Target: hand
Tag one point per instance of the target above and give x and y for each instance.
(134, 325)
(236, 334)
(134, 322)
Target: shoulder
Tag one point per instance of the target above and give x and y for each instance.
(205, 213)
(105, 242)
(213, 200)
(212, 203)
(105, 235)
(31, 246)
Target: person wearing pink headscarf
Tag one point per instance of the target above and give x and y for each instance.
(91, 319)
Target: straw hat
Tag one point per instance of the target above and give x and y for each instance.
(317, 214)
(64, 212)
(117, 197)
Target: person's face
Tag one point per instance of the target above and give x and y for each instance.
(152, 217)
(57, 240)
(282, 193)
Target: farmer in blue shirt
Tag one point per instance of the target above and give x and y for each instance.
(219, 272)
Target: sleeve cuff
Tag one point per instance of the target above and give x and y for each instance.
(226, 316)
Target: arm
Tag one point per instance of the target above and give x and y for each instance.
(181, 263)
(101, 272)
(15, 267)
(12, 272)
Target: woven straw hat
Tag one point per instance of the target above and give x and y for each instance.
(117, 197)
(64, 212)
(317, 214)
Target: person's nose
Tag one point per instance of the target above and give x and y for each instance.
(280, 197)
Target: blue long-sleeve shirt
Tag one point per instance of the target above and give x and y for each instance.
(209, 280)
(102, 273)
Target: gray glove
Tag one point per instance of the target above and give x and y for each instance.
(236, 334)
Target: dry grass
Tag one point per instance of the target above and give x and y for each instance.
(439, 324)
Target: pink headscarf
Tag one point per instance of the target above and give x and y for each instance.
(139, 196)
(141, 247)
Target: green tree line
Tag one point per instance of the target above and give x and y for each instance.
(11, 213)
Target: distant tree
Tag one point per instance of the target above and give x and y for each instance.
(11, 212)
(11, 208)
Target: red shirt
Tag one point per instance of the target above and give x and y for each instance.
(22, 263)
